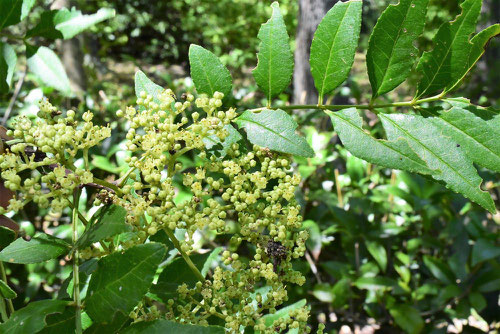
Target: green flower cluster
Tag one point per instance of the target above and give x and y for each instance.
(247, 192)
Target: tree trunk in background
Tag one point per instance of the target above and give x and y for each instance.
(71, 56)
(310, 14)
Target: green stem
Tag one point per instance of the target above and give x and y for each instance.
(357, 106)
(4, 278)
(76, 274)
(190, 263)
(107, 185)
(3, 312)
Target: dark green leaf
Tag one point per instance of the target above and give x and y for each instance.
(341, 292)
(440, 153)
(66, 24)
(40, 248)
(395, 154)
(275, 59)
(121, 280)
(479, 43)
(166, 326)
(208, 73)
(391, 53)
(484, 250)
(176, 273)
(334, 45)
(48, 67)
(6, 237)
(477, 301)
(31, 318)
(8, 61)
(144, 84)
(114, 325)
(60, 322)
(6, 291)
(408, 318)
(378, 252)
(443, 66)
(274, 129)
(477, 137)
(14, 11)
(439, 269)
(110, 221)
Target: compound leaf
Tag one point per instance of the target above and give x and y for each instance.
(334, 45)
(476, 137)
(440, 153)
(8, 61)
(110, 222)
(41, 248)
(275, 60)
(274, 129)
(391, 53)
(444, 65)
(48, 67)
(395, 154)
(121, 280)
(31, 318)
(208, 73)
(63, 23)
(166, 326)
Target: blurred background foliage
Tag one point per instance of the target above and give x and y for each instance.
(389, 252)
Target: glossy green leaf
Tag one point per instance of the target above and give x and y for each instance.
(391, 53)
(110, 221)
(408, 318)
(484, 250)
(144, 84)
(479, 44)
(208, 73)
(121, 280)
(275, 59)
(378, 252)
(439, 269)
(41, 248)
(6, 291)
(341, 292)
(395, 154)
(274, 129)
(166, 326)
(48, 67)
(443, 66)
(334, 45)
(210, 260)
(8, 61)
(176, 273)
(63, 23)
(14, 11)
(477, 138)
(31, 318)
(440, 153)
